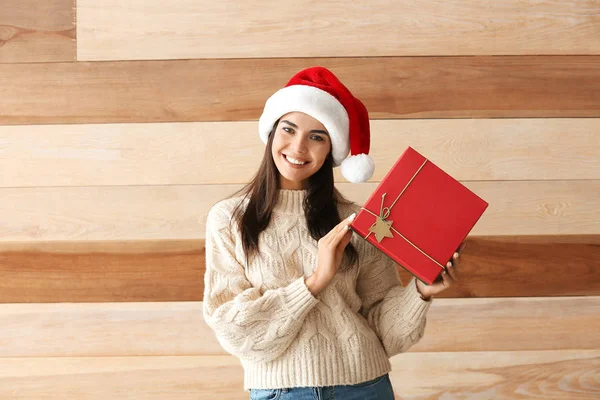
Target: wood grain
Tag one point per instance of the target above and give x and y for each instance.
(224, 90)
(497, 375)
(132, 378)
(48, 272)
(564, 374)
(134, 271)
(178, 328)
(37, 31)
(125, 30)
(177, 212)
(195, 152)
(101, 235)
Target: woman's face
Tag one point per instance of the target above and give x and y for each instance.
(299, 138)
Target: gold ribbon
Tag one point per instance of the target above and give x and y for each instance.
(381, 227)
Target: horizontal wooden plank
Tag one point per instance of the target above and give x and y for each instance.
(106, 271)
(219, 90)
(194, 152)
(37, 31)
(124, 30)
(490, 266)
(566, 375)
(132, 378)
(528, 266)
(177, 212)
(178, 328)
(558, 375)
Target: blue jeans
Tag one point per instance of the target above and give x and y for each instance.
(377, 389)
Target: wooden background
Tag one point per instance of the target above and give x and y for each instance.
(122, 122)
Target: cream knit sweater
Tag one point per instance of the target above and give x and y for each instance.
(264, 313)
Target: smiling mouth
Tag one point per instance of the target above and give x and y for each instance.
(293, 163)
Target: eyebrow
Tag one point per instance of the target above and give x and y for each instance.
(313, 131)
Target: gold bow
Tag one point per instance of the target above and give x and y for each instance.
(383, 228)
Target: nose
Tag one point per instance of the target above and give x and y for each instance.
(299, 144)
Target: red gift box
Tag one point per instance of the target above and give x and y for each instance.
(419, 215)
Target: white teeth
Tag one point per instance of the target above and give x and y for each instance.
(294, 161)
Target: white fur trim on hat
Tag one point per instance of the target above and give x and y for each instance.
(358, 168)
(318, 104)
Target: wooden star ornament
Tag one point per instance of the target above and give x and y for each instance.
(381, 229)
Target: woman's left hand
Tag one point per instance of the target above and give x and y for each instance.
(448, 279)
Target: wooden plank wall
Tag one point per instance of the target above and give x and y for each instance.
(122, 122)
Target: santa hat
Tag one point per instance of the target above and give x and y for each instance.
(316, 91)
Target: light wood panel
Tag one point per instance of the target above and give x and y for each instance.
(176, 212)
(126, 30)
(37, 31)
(236, 90)
(134, 378)
(566, 374)
(230, 152)
(490, 266)
(178, 328)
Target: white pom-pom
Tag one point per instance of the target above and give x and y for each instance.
(358, 168)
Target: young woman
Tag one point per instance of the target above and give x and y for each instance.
(312, 311)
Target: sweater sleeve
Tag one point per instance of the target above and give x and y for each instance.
(396, 313)
(249, 324)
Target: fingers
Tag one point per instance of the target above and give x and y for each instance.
(450, 270)
(340, 229)
(345, 239)
(342, 237)
(448, 277)
(348, 220)
(343, 229)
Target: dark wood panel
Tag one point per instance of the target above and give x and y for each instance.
(233, 90)
(101, 271)
(37, 31)
(495, 266)
(490, 266)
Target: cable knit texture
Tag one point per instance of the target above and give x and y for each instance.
(264, 314)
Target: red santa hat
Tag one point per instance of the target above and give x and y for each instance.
(316, 91)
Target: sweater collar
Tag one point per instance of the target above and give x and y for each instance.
(290, 201)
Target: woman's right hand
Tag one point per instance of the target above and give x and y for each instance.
(331, 251)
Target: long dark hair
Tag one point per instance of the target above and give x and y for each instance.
(320, 204)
